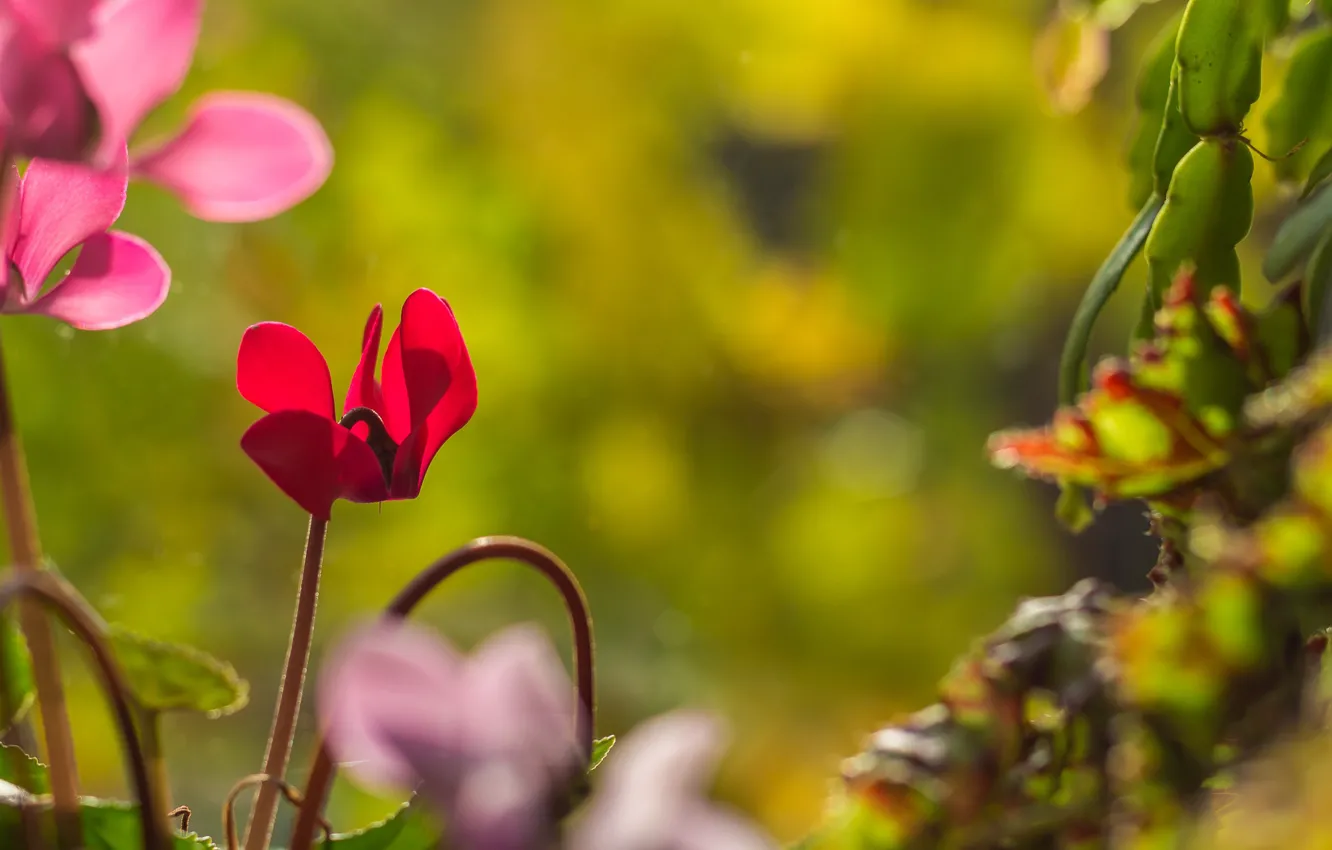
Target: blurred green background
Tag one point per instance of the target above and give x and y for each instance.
(747, 284)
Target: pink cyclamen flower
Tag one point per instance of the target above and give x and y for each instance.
(650, 796)
(488, 738)
(389, 432)
(77, 76)
(56, 207)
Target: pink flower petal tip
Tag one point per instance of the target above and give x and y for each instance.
(117, 279)
(241, 157)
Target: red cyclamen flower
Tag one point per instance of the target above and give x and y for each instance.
(389, 432)
(77, 77)
(56, 207)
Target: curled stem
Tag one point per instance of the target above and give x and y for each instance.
(263, 780)
(481, 549)
(260, 828)
(88, 627)
(184, 813)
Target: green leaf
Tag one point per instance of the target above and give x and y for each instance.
(1072, 362)
(38, 780)
(114, 825)
(1219, 52)
(1153, 96)
(107, 825)
(410, 828)
(1298, 235)
(1321, 170)
(18, 669)
(1280, 332)
(600, 748)
(1317, 281)
(1303, 111)
(1273, 16)
(171, 677)
(1207, 211)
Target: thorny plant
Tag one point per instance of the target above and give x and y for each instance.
(1087, 720)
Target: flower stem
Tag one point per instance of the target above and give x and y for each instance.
(150, 735)
(260, 827)
(26, 551)
(482, 549)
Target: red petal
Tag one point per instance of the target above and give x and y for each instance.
(1183, 289)
(428, 382)
(314, 460)
(1113, 377)
(364, 390)
(278, 368)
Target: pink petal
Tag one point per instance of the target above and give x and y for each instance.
(501, 804)
(137, 56)
(384, 684)
(314, 460)
(43, 106)
(520, 700)
(117, 279)
(57, 22)
(429, 387)
(651, 795)
(710, 826)
(241, 157)
(61, 204)
(674, 753)
(9, 205)
(279, 368)
(364, 390)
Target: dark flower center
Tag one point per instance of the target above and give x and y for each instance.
(378, 439)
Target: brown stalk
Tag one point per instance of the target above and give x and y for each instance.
(481, 549)
(26, 553)
(264, 813)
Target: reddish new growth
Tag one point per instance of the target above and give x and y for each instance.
(1170, 415)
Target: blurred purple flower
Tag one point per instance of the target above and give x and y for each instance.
(489, 738)
(651, 793)
(78, 76)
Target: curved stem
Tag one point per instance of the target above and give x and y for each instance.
(260, 828)
(545, 562)
(88, 627)
(481, 549)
